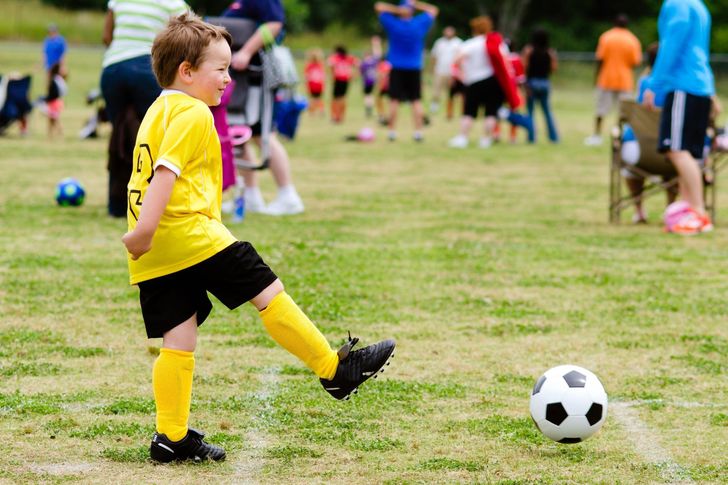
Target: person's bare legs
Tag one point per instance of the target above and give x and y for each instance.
(418, 111)
(287, 201)
(466, 122)
(392, 122)
(636, 187)
(690, 179)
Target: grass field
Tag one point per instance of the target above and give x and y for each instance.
(487, 266)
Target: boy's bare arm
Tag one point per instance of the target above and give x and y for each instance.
(139, 240)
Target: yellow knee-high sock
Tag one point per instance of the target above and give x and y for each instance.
(172, 383)
(293, 331)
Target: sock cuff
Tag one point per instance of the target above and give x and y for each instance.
(175, 353)
(275, 304)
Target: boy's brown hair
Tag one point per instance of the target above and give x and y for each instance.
(184, 39)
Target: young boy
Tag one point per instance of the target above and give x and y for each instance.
(179, 249)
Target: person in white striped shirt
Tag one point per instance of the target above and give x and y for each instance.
(127, 79)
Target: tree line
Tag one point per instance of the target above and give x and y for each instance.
(574, 25)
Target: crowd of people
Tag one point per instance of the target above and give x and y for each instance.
(480, 75)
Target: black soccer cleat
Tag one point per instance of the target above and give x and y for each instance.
(356, 367)
(191, 447)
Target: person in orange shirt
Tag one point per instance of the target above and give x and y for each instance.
(618, 53)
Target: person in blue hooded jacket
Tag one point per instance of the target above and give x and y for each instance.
(682, 70)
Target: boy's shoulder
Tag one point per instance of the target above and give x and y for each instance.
(177, 103)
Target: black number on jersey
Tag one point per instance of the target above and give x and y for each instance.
(135, 200)
(135, 195)
(140, 161)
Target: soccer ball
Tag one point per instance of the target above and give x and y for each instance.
(69, 192)
(568, 404)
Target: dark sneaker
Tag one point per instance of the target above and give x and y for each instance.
(191, 447)
(358, 366)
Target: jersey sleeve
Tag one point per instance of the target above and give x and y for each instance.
(185, 135)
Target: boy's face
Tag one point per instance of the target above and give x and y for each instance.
(211, 77)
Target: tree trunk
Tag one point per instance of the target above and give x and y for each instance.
(510, 16)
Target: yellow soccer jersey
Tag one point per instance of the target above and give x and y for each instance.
(178, 132)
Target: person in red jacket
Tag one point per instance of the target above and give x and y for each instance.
(315, 79)
(342, 66)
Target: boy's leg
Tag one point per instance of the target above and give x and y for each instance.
(293, 330)
(172, 379)
(172, 383)
(342, 372)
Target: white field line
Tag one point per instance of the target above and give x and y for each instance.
(647, 444)
(249, 463)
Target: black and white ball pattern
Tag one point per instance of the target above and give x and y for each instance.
(568, 404)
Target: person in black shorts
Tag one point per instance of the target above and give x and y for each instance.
(406, 34)
(682, 70)
(178, 249)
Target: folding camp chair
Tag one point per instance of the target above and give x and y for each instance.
(14, 102)
(654, 167)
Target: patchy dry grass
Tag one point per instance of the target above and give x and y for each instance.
(488, 267)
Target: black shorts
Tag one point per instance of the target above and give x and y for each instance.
(486, 93)
(405, 84)
(457, 87)
(235, 275)
(683, 123)
(315, 94)
(368, 88)
(340, 88)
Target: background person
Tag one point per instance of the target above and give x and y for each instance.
(315, 76)
(54, 50)
(368, 72)
(406, 34)
(618, 53)
(682, 70)
(443, 53)
(539, 62)
(482, 89)
(343, 66)
(270, 16)
(127, 78)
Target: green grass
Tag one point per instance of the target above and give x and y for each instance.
(488, 267)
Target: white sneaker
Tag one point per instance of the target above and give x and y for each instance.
(593, 140)
(254, 201)
(284, 206)
(485, 142)
(458, 141)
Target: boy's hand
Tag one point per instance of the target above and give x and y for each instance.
(136, 244)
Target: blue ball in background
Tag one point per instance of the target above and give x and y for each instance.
(70, 192)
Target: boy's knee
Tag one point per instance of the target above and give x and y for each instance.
(263, 299)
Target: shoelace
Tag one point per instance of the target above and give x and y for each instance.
(345, 349)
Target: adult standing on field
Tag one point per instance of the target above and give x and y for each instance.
(54, 50)
(682, 70)
(618, 53)
(270, 17)
(443, 53)
(127, 80)
(406, 34)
